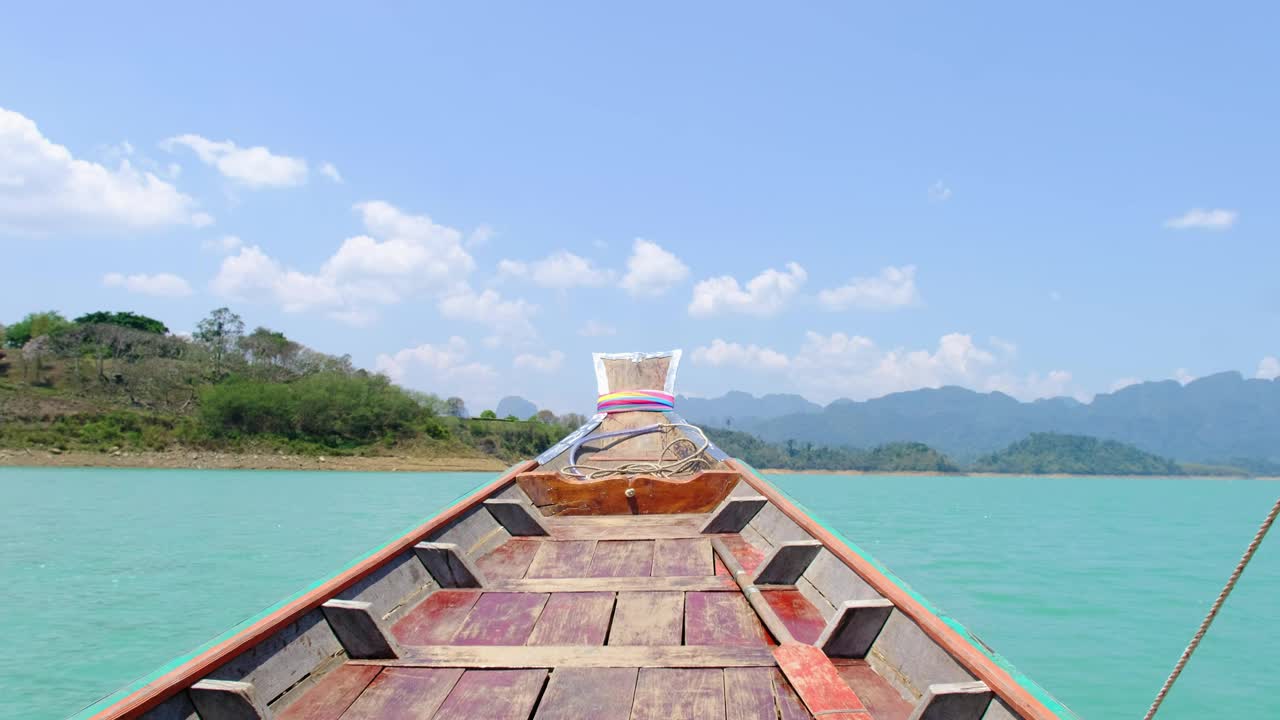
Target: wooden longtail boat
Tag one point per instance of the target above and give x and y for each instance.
(631, 571)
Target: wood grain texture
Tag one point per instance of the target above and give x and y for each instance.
(818, 684)
(549, 656)
(787, 562)
(734, 513)
(622, 558)
(748, 694)
(789, 705)
(568, 559)
(435, 620)
(493, 695)
(748, 555)
(648, 618)
(500, 618)
(329, 698)
(721, 619)
(595, 693)
(796, 612)
(574, 619)
(404, 694)
(679, 694)
(561, 495)
(517, 516)
(884, 702)
(705, 583)
(510, 560)
(683, 557)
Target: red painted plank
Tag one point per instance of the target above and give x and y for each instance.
(789, 705)
(595, 693)
(404, 694)
(682, 557)
(720, 568)
(436, 619)
(510, 560)
(796, 612)
(748, 694)
(622, 558)
(574, 619)
(493, 695)
(562, 559)
(721, 618)
(748, 555)
(679, 694)
(331, 697)
(818, 684)
(501, 619)
(648, 618)
(876, 693)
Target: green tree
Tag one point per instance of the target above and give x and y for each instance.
(488, 415)
(220, 333)
(34, 325)
(130, 320)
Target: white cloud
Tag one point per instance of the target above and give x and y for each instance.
(330, 171)
(894, 287)
(764, 295)
(43, 189)
(560, 270)
(1269, 368)
(595, 328)
(254, 167)
(548, 363)
(731, 354)
(938, 192)
(1200, 219)
(1055, 383)
(225, 244)
(1123, 383)
(1183, 375)
(160, 284)
(510, 321)
(443, 369)
(651, 270)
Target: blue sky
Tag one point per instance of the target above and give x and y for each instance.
(831, 200)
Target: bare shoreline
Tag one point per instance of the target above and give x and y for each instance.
(937, 473)
(205, 460)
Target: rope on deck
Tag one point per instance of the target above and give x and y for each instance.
(1213, 611)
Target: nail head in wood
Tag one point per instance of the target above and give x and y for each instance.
(734, 514)
(787, 563)
(854, 628)
(226, 700)
(360, 631)
(954, 701)
(517, 516)
(449, 565)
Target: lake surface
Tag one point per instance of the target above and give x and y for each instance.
(1091, 586)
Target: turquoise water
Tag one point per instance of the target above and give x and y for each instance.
(1090, 586)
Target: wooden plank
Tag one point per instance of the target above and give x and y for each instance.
(493, 695)
(648, 618)
(227, 700)
(762, 609)
(748, 694)
(802, 619)
(509, 560)
(953, 701)
(705, 583)
(818, 683)
(500, 618)
(572, 529)
(551, 656)
(786, 563)
(721, 619)
(882, 699)
(789, 705)
(517, 516)
(734, 513)
(854, 628)
(157, 691)
(329, 698)
(449, 565)
(596, 693)
(682, 557)
(574, 619)
(568, 559)
(436, 619)
(679, 694)
(360, 631)
(622, 558)
(748, 555)
(404, 694)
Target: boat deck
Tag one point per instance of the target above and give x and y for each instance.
(611, 617)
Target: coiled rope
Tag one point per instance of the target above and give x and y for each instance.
(1213, 611)
(661, 467)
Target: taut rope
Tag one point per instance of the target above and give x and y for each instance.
(1213, 611)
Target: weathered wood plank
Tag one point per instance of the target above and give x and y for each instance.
(954, 701)
(493, 695)
(403, 694)
(748, 694)
(574, 619)
(854, 628)
(748, 555)
(796, 612)
(622, 558)
(449, 565)
(682, 557)
(518, 517)
(721, 619)
(882, 699)
(595, 693)
(550, 656)
(436, 619)
(329, 698)
(818, 684)
(679, 694)
(734, 513)
(787, 562)
(361, 633)
(500, 618)
(704, 583)
(789, 705)
(648, 618)
(568, 559)
(510, 560)
(227, 700)
(563, 496)
(569, 529)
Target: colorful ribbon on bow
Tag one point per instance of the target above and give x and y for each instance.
(636, 400)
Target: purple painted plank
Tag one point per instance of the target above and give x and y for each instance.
(748, 694)
(596, 693)
(574, 619)
(682, 557)
(404, 694)
(330, 697)
(789, 705)
(563, 559)
(493, 695)
(510, 560)
(436, 619)
(679, 694)
(622, 558)
(501, 619)
(721, 618)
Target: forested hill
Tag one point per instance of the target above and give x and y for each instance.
(1074, 455)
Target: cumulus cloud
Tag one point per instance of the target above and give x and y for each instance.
(44, 188)
(443, 368)
(561, 270)
(731, 354)
(1269, 368)
(253, 167)
(328, 170)
(548, 363)
(160, 284)
(764, 295)
(894, 287)
(509, 321)
(1201, 219)
(651, 270)
(594, 328)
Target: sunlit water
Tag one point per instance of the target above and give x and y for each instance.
(1090, 586)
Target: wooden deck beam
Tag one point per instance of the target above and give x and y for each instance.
(692, 583)
(553, 656)
(360, 631)
(734, 513)
(855, 626)
(449, 565)
(517, 516)
(787, 563)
